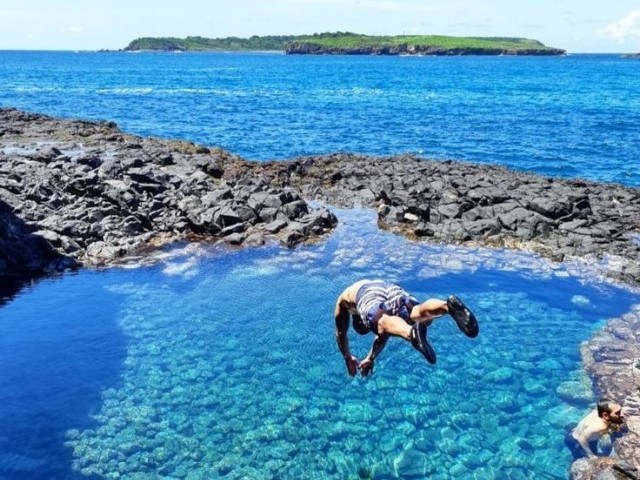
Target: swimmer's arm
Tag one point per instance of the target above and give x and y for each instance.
(366, 366)
(583, 438)
(378, 345)
(341, 315)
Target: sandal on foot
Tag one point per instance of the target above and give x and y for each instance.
(464, 318)
(420, 342)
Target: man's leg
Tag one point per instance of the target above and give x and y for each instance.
(415, 334)
(428, 311)
(392, 325)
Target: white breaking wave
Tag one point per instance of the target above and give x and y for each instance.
(186, 269)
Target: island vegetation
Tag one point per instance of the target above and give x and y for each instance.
(353, 44)
(266, 43)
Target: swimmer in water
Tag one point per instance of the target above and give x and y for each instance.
(606, 419)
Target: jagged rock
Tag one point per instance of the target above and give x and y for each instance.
(167, 187)
(293, 237)
(52, 237)
(552, 208)
(210, 166)
(236, 238)
(255, 239)
(276, 226)
(294, 209)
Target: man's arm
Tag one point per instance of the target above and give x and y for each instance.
(366, 366)
(341, 315)
(587, 434)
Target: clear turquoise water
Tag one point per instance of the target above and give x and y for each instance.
(574, 116)
(218, 364)
(222, 364)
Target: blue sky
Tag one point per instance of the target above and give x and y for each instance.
(575, 25)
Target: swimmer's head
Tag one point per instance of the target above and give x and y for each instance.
(610, 411)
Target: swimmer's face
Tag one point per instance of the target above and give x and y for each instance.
(615, 414)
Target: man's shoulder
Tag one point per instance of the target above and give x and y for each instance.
(596, 426)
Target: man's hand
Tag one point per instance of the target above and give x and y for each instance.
(352, 365)
(366, 367)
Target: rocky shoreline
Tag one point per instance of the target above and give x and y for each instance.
(482, 205)
(307, 48)
(84, 193)
(612, 360)
(78, 193)
(92, 194)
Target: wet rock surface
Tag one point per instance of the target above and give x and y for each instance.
(612, 359)
(23, 255)
(485, 205)
(76, 192)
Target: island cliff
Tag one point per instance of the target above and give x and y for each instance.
(353, 44)
(346, 43)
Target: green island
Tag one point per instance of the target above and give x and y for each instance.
(346, 43)
(266, 43)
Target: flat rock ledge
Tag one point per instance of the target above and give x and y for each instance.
(84, 193)
(612, 359)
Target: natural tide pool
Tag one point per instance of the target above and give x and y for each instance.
(218, 364)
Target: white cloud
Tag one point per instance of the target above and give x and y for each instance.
(73, 30)
(628, 26)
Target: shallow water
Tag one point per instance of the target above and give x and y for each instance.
(218, 364)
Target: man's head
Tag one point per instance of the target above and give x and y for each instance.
(359, 325)
(610, 411)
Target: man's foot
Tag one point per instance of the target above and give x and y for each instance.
(420, 342)
(464, 318)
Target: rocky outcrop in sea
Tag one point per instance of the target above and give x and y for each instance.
(308, 48)
(84, 193)
(92, 194)
(451, 202)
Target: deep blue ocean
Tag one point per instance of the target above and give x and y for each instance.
(573, 116)
(212, 363)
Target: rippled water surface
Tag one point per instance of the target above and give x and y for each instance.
(217, 364)
(574, 116)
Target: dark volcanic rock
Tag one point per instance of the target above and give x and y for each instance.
(612, 359)
(26, 253)
(76, 192)
(87, 182)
